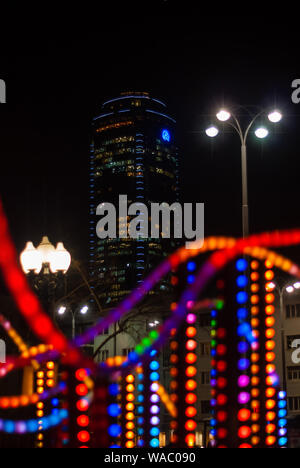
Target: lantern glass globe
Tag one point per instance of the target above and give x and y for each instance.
(261, 132)
(31, 259)
(60, 259)
(212, 131)
(46, 250)
(223, 115)
(275, 116)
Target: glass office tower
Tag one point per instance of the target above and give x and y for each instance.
(133, 153)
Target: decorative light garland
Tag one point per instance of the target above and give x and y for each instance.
(82, 404)
(114, 412)
(256, 317)
(244, 333)
(154, 406)
(270, 376)
(282, 421)
(140, 409)
(43, 327)
(174, 359)
(13, 334)
(217, 367)
(128, 434)
(41, 324)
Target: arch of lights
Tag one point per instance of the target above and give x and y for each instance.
(257, 381)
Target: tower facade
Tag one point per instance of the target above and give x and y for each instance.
(133, 153)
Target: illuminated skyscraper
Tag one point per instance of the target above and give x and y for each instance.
(133, 153)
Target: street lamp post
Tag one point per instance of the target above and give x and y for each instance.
(83, 310)
(261, 132)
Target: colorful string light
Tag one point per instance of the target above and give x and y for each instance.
(13, 334)
(245, 338)
(42, 325)
(114, 412)
(174, 360)
(271, 379)
(82, 418)
(256, 312)
(140, 409)
(31, 309)
(190, 332)
(32, 425)
(45, 379)
(16, 277)
(214, 372)
(282, 421)
(154, 406)
(128, 411)
(220, 364)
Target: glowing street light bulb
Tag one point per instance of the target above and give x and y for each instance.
(212, 131)
(84, 309)
(46, 250)
(289, 289)
(154, 324)
(223, 115)
(275, 116)
(61, 259)
(296, 285)
(261, 132)
(31, 259)
(61, 310)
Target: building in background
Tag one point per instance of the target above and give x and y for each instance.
(288, 330)
(133, 153)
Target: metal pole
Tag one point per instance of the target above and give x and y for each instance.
(73, 325)
(245, 214)
(284, 383)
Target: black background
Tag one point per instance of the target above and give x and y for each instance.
(59, 72)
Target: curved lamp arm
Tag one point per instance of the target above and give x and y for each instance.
(251, 123)
(243, 135)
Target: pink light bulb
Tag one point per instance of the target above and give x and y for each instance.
(191, 318)
(243, 398)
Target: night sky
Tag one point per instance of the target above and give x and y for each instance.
(57, 78)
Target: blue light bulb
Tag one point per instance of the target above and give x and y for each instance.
(242, 297)
(241, 281)
(241, 264)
